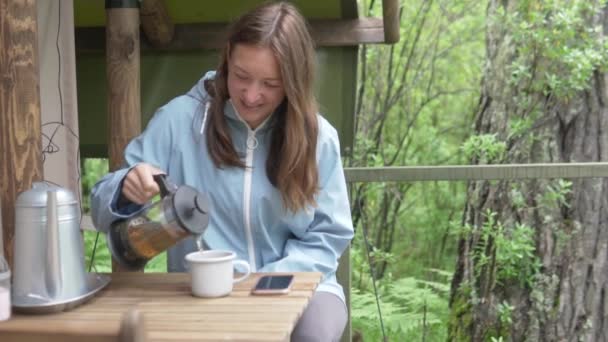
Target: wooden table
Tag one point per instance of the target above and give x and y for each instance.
(171, 313)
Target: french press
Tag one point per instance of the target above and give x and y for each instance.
(179, 213)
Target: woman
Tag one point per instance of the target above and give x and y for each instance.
(250, 137)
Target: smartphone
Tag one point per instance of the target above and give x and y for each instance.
(273, 284)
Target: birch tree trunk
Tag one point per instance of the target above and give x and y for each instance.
(559, 291)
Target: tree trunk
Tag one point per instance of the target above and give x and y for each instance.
(559, 293)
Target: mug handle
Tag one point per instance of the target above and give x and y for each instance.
(245, 265)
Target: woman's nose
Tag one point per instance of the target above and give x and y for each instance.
(252, 94)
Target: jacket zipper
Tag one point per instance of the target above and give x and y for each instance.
(252, 143)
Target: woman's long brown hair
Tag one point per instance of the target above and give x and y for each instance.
(291, 165)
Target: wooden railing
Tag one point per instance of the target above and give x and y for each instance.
(476, 172)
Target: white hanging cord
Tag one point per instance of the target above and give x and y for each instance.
(204, 118)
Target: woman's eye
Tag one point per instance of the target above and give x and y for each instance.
(271, 85)
(241, 77)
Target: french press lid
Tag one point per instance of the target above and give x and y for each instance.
(191, 207)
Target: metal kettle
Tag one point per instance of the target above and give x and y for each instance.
(49, 258)
(180, 212)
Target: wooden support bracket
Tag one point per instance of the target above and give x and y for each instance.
(156, 22)
(390, 16)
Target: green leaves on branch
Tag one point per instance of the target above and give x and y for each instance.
(485, 148)
(558, 45)
(507, 252)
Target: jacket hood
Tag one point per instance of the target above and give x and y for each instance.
(198, 91)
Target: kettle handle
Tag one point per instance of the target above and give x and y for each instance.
(165, 185)
(53, 275)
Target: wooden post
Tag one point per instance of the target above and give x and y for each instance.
(122, 63)
(20, 138)
(156, 22)
(390, 16)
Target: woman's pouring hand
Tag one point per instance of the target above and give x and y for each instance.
(139, 185)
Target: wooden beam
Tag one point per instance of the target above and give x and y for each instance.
(156, 22)
(20, 137)
(122, 72)
(391, 18)
(348, 32)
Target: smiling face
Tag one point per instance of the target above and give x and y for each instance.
(254, 82)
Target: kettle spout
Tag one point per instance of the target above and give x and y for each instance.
(53, 264)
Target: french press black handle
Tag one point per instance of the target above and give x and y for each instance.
(165, 185)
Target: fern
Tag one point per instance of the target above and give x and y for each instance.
(409, 307)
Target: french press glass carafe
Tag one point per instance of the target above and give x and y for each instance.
(181, 212)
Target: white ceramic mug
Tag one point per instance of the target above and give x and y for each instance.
(212, 272)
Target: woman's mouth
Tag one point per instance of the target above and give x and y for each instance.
(248, 106)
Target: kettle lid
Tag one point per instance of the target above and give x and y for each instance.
(37, 195)
(191, 208)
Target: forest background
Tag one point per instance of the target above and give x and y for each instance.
(420, 102)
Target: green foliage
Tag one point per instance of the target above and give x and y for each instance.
(519, 127)
(515, 255)
(416, 105)
(558, 43)
(556, 194)
(504, 258)
(559, 46)
(410, 307)
(505, 310)
(512, 251)
(485, 148)
(414, 109)
(92, 171)
(461, 313)
(97, 254)
(548, 55)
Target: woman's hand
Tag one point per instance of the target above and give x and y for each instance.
(139, 185)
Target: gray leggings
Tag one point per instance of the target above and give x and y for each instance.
(323, 320)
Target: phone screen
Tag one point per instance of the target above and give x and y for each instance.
(278, 282)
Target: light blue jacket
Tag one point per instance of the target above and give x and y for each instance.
(247, 214)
